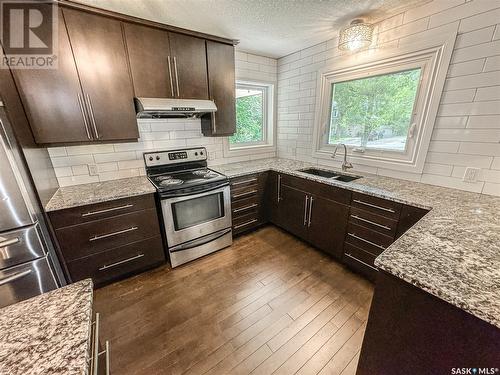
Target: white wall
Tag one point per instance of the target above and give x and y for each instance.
(467, 129)
(119, 160)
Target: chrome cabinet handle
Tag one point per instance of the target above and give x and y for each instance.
(14, 277)
(106, 350)
(305, 210)
(245, 193)
(374, 206)
(100, 237)
(170, 75)
(177, 79)
(245, 223)
(90, 213)
(92, 117)
(244, 182)
(214, 125)
(367, 241)
(370, 222)
(94, 361)
(360, 261)
(84, 116)
(310, 211)
(106, 266)
(12, 241)
(279, 188)
(245, 208)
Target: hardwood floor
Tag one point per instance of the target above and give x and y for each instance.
(269, 304)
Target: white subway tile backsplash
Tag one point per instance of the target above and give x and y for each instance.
(487, 93)
(473, 81)
(450, 122)
(468, 135)
(475, 37)
(429, 9)
(476, 51)
(466, 68)
(484, 122)
(480, 148)
(492, 189)
(479, 20)
(492, 64)
(462, 11)
(120, 160)
(458, 96)
(475, 108)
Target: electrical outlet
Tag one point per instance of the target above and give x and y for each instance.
(471, 174)
(92, 169)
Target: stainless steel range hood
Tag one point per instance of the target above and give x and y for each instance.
(164, 108)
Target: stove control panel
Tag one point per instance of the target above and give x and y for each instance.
(156, 159)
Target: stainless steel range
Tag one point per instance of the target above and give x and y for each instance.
(194, 200)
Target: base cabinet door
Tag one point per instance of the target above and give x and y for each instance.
(293, 211)
(327, 222)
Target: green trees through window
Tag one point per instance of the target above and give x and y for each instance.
(249, 116)
(374, 112)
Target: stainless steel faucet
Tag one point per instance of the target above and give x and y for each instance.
(345, 165)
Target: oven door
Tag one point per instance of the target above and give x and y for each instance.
(193, 216)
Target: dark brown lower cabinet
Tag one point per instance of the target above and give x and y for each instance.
(312, 211)
(107, 241)
(409, 331)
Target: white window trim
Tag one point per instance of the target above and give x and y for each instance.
(269, 142)
(433, 56)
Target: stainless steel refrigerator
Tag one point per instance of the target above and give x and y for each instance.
(28, 264)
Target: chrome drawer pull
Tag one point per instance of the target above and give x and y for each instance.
(100, 237)
(370, 222)
(279, 188)
(170, 75)
(305, 210)
(360, 261)
(368, 242)
(374, 206)
(107, 210)
(310, 212)
(244, 182)
(14, 277)
(106, 266)
(12, 241)
(245, 208)
(245, 224)
(246, 193)
(80, 103)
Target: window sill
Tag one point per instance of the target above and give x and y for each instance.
(247, 150)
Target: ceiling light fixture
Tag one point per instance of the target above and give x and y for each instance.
(357, 35)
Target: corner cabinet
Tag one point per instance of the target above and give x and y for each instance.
(221, 84)
(89, 96)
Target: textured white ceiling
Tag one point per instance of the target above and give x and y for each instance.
(273, 28)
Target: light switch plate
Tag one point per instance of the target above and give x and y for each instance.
(471, 174)
(92, 169)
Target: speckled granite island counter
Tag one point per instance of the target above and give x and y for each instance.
(452, 253)
(80, 195)
(48, 334)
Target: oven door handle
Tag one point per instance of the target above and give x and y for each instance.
(168, 195)
(199, 241)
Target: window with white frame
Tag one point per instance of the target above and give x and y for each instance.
(383, 108)
(254, 115)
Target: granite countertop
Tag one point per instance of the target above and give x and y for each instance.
(452, 253)
(80, 195)
(48, 334)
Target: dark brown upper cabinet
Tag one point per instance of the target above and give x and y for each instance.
(189, 64)
(150, 61)
(53, 99)
(101, 60)
(166, 64)
(222, 86)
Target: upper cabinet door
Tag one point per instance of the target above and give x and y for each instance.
(150, 61)
(101, 61)
(189, 63)
(52, 98)
(221, 83)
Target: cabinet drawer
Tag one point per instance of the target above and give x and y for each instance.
(360, 254)
(117, 262)
(367, 239)
(240, 182)
(246, 222)
(361, 267)
(319, 189)
(90, 238)
(242, 192)
(245, 205)
(373, 221)
(376, 205)
(84, 214)
(19, 246)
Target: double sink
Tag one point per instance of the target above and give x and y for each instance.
(330, 174)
